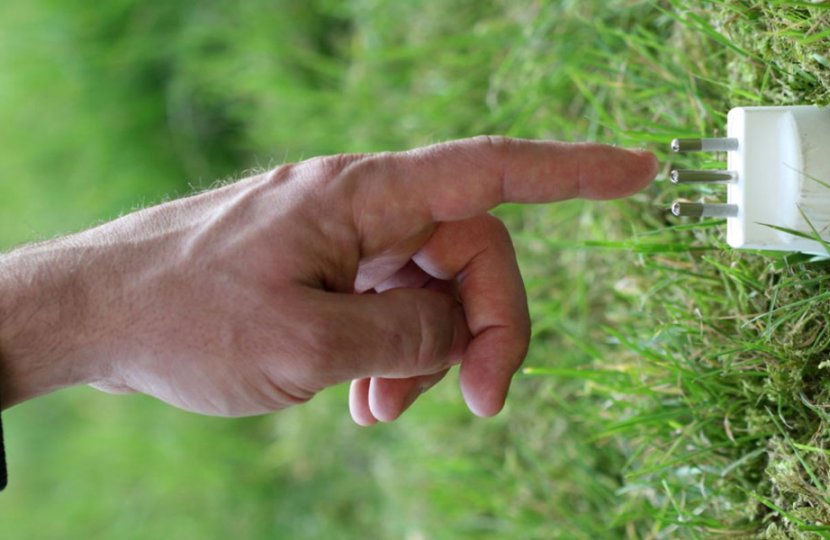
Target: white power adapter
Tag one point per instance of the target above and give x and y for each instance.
(778, 193)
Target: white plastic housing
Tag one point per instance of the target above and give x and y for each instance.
(781, 153)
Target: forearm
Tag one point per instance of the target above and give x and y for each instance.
(43, 298)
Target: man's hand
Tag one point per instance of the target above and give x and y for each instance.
(383, 269)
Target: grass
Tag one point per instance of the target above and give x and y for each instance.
(674, 388)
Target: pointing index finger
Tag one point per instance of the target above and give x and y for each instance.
(461, 179)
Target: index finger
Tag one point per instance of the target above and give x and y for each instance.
(460, 179)
(398, 194)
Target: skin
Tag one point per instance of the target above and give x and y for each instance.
(383, 269)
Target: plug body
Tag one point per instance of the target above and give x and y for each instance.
(778, 178)
(781, 160)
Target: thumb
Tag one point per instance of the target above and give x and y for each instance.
(398, 333)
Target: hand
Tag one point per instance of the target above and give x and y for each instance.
(383, 269)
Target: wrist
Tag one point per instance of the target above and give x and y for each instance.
(42, 304)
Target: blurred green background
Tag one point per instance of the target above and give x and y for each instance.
(644, 411)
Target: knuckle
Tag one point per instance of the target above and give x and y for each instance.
(494, 152)
(339, 167)
(348, 176)
(496, 145)
(333, 165)
(281, 174)
(315, 170)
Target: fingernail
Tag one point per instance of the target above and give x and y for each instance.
(655, 165)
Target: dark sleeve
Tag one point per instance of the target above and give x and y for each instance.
(4, 477)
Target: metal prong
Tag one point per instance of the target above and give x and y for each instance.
(704, 145)
(688, 176)
(686, 145)
(684, 209)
